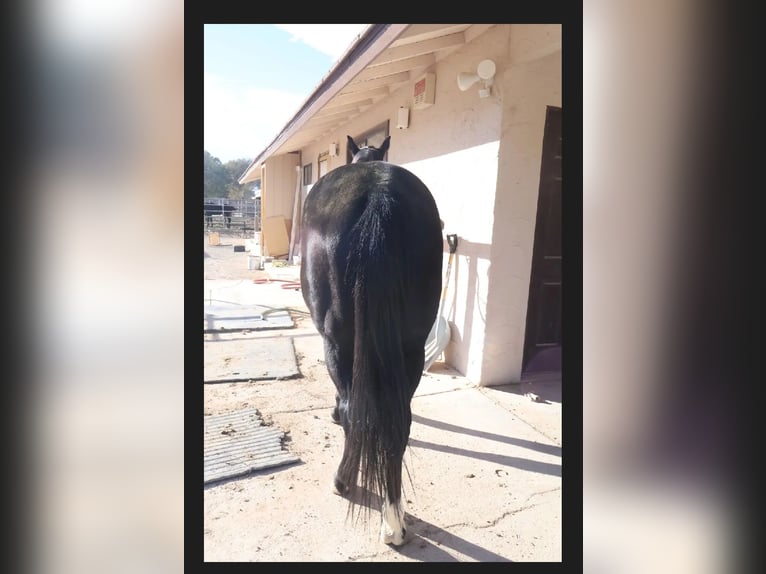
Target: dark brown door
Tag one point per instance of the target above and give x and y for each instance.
(542, 340)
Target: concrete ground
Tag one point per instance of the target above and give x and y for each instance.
(484, 464)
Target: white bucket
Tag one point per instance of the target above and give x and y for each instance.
(254, 262)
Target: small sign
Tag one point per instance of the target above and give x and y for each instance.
(423, 91)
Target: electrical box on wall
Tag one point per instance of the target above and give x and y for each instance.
(403, 118)
(423, 91)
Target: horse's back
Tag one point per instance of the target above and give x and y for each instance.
(337, 192)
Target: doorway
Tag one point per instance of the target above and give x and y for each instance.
(542, 339)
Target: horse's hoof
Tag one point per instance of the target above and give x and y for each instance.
(339, 488)
(335, 416)
(396, 538)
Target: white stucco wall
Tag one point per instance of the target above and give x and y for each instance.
(531, 82)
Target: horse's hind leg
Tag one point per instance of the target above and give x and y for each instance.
(335, 415)
(392, 528)
(339, 364)
(339, 367)
(348, 469)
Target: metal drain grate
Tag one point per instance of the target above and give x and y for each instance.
(238, 443)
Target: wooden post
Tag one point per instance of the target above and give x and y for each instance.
(294, 227)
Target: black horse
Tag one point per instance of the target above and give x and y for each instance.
(212, 209)
(371, 278)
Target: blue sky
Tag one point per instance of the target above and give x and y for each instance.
(258, 75)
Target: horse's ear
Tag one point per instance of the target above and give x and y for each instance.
(352, 145)
(384, 146)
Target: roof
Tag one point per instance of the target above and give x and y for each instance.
(378, 62)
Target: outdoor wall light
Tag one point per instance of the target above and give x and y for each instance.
(485, 73)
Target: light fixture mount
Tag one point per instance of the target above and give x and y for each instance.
(485, 72)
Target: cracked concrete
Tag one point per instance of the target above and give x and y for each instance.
(484, 465)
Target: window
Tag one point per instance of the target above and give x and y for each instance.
(373, 137)
(307, 174)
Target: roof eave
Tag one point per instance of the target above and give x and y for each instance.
(369, 44)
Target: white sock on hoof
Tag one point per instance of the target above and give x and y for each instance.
(392, 527)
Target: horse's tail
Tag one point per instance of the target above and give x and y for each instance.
(379, 401)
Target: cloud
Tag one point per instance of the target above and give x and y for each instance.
(330, 39)
(241, 123)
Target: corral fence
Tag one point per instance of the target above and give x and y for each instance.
(221, 213)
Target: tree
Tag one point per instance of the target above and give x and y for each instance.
(221, 179)
(235, 168)
(216, 177)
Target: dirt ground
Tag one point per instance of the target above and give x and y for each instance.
(290, 514)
